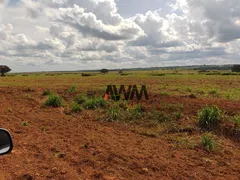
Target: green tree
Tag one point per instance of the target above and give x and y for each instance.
(4, 69)
(104, 71)
(236, 68)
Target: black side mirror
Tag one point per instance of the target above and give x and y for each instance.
(6, 144)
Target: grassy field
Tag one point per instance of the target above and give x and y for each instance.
(181, 82)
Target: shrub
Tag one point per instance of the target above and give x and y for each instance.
(76, 107)
(80, 99)
(95, 103)
(208, 142)
(46, 92)
(54, 101)
(209, 118)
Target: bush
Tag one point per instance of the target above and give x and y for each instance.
(76, 107)
(54, 101)
(95, 103)
(80, 99)
(209, 118)
(208, 142)
(104, 71)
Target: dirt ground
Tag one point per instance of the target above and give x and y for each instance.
(58, 146)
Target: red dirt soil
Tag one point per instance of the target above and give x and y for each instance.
(77, 147)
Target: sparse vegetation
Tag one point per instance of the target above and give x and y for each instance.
(170, 116)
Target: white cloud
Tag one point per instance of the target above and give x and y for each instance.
(91, 33)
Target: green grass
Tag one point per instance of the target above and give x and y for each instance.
(75, 107)
(113, 113)
(81, 98)
(209, 118)
(208, 142)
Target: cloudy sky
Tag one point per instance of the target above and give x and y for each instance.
(42, 35)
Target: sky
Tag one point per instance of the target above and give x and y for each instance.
(57, 35)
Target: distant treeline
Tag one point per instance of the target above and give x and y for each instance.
(194, 67)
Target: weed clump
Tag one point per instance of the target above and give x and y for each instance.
(208, 142)
(209, 118)
(54, 101)
(80, 99)
(113, 114)
(76, 107)
(137, 110)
